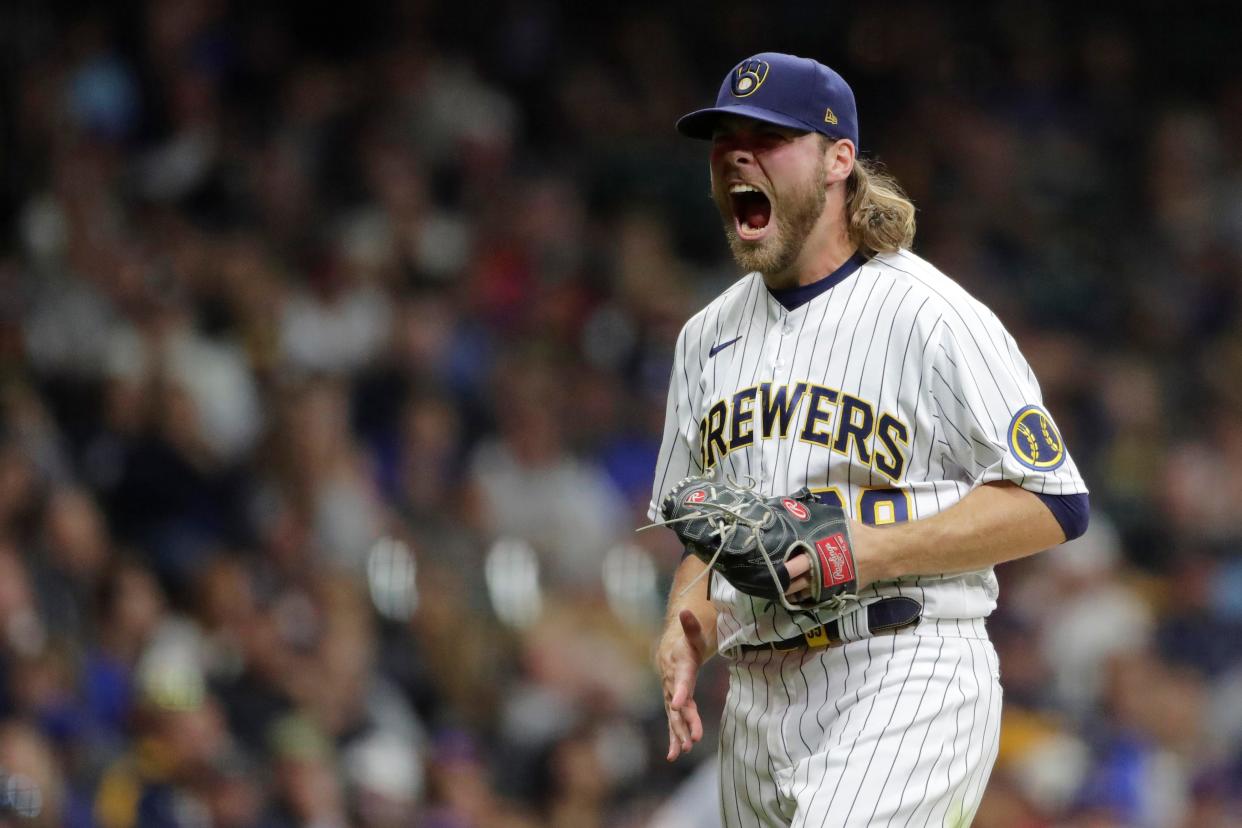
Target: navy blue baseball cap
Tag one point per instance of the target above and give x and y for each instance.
(791, 91)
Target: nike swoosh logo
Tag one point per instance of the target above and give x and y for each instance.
(718, 348)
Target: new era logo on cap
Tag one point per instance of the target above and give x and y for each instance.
(791, 91)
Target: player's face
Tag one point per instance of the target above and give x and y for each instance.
(769, 183)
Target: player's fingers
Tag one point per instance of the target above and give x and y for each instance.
(799, 569)
(694, 722)
(679, 735)
(684, 733)
(799, 584)
(798, 565)
(674, 744)
(684, 725)
(683, 691)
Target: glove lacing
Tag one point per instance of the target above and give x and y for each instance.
(724, 524)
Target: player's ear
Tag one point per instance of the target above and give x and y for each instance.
(838, 159)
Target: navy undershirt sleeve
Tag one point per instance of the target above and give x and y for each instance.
(1071, 511)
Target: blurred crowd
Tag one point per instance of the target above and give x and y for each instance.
(334, 341)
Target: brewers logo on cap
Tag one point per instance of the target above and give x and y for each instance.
(1034, 440)
(749, 76)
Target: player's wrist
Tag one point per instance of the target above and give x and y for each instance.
(873, 553)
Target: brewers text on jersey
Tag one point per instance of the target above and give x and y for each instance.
(828, 418)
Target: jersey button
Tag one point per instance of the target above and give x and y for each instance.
(787, 329)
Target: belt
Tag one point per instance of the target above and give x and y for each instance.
(884, 615)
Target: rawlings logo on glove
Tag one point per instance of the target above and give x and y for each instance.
(837, 562)
(748, 539)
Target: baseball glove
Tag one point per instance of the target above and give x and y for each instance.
(748, 538)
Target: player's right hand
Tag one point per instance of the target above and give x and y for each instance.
(681, 653)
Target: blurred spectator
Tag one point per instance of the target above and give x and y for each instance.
(1143, 773)
(307, 789)
(130, 610)
(460, 792)
(322, 473)
(578, 784)
(74, 553)
(34, 788)
(336, 327)
(165, 780)
(532, 488)
(1089, 614)
(21, 629)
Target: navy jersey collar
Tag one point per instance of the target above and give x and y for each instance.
(795, 297)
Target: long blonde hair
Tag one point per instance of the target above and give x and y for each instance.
(879, 214)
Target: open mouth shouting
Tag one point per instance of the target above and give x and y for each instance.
(752, 211)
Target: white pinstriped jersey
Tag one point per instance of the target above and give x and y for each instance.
(894, 392)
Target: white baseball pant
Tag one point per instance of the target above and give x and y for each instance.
(896, 729)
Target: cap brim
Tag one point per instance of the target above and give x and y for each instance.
(699, 124)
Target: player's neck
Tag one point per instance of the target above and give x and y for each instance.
(827, 247)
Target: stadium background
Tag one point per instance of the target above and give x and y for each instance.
(333, 349)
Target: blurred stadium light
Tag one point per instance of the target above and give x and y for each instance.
(512, 573)
(21, 796)
(392, 579)
(630, 584)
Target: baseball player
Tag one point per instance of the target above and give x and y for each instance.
(844, 363)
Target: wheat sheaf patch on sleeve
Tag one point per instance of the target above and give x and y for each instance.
(1034, 439)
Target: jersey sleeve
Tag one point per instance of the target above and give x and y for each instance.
(679, 450)
(990, 410)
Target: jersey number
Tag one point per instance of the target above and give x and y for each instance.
(875, 507)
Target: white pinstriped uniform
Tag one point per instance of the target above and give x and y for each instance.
(895, 392)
